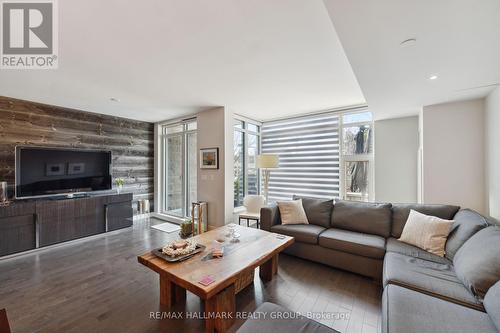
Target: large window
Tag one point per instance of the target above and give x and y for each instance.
(179, 168)
(326, 155)
(357, 156)
(246, 148)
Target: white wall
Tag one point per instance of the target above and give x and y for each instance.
(396, 152)
(492, 121)
(453, 164)
(212, 186)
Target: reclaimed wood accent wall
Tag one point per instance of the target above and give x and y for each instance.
(131, 141)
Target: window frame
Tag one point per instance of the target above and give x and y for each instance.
(164, 135)
(245, 131)
(346, 158)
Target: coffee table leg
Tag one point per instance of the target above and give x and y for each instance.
(220, 311)
(170, 293)
(269, 269)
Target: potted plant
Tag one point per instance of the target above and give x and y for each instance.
(186, 228)
(119, 184)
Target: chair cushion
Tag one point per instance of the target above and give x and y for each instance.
(477, 262)
(426, 232)
(365, 245)
(400, 214)
(467, 223)
(318, 211)
(492, 304)
(273, 318)
(405, 310)
(393, 245)
(305, 233)
(247, 215)
(365, 217)
(435, 279)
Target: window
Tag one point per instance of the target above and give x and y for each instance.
(326, 155)
(179, 168)
(357, 156)
(246, 148)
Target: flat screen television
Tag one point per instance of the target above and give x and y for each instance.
(53, 171)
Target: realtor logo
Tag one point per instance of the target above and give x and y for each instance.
(29, 35)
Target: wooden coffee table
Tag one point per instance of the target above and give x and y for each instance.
(232, 273)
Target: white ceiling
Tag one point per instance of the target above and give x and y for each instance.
(458, 40)
(164, 59)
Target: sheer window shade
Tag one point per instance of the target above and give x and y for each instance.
(309, 153)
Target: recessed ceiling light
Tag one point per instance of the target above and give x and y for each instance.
(408, 42)
(433, 77)
(113, 99)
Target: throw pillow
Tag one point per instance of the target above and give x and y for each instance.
(426, 232)
(477, 262)
(292, 212)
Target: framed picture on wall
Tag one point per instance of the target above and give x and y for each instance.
(76, 168)
(209, 158)
(55, 169)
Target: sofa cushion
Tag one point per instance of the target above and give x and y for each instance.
(492, 304)
(318, 211)
(273, 318)
(435, 279)
(400, 214)
(365, 217)
(467, 223)
(305, 233)
(477, 262)
(405, 310)
(396, 246)
(365, 245)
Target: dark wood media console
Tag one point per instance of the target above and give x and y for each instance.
(31, 224)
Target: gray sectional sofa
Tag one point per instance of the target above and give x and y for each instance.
(363, 238)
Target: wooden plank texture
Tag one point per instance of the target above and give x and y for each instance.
(255, 248)
(131, 141)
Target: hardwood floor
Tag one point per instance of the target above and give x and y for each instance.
(97, 285)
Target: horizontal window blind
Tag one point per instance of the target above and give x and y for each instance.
(309, 151)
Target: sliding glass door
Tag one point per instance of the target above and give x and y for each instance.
(179, 164)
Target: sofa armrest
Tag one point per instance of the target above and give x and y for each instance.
(269, 216)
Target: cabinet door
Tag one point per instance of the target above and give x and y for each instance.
(64, 220)
(90, 216)
(17, 234)
(56, 221)
(119, 215)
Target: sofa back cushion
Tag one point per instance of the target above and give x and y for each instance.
(400, 214)
(467, 223)
(477, 262)
(492, 304)
(365, 217)
(318, 211)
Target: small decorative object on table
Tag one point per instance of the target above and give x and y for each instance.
(232, 234)
(199, 216)
(186, 228)
(179, 250)
(217, 249)
(119, 184)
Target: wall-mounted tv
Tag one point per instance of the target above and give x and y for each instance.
(54, 171)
